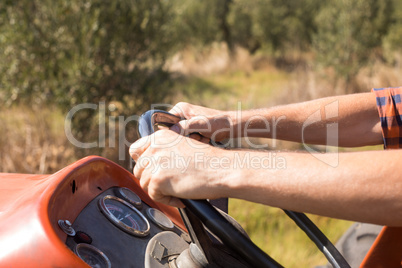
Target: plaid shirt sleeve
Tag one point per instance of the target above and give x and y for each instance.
(390, 110)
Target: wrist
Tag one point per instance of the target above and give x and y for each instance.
(223, 172)
(235, 124)
(253, 123)
(236, 176)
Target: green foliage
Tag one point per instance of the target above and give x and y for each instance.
(276, 24)
(288, 23)
(242, 22)
(392, 41)
(348, 32)
(391, 44)
(72, 52)
(200, 22)
(250, 24)
(91, 51)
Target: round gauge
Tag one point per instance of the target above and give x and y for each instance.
(92, 256)
(124, 215)
(130, 196)
(160, 219)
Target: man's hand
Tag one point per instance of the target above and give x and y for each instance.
(171, 166)
(210, 123)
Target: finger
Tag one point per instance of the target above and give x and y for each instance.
(175, 202)
(198, 124)
(145, 178)
(176, 128)
(144, 182)
(195, 136)
(139, 167)
(200, 138)
(178, 109)
(168, 200)
(205, 140)
(163, 139)
(139, 147)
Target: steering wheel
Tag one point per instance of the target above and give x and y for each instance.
(223, 229)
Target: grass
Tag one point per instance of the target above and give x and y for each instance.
(32, 140)
(276, 234)
(254, 90)
(225, 90)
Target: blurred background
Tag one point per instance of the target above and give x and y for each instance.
(126, 55)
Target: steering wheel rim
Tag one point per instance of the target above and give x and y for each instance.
(229, 235)
(222, 228)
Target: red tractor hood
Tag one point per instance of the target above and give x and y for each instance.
(31, 205)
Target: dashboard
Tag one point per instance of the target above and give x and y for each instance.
(94, 213)
(91, 213)
(117, 228)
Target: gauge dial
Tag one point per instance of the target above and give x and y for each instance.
(160, 219)
(92, 256)
(130, 196)
(124, 215)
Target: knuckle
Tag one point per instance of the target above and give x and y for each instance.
(182, 104)
(136, 172)
(160, 134)
(143, 184)
(182, 107)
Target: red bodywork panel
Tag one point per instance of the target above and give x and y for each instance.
(31, 205)
(386, 250)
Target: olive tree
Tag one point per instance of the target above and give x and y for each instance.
(66, 53)
(348, 32)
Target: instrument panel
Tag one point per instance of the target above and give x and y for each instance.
(116, 229)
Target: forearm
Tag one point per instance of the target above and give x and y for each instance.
(360, 188)
(354, 117)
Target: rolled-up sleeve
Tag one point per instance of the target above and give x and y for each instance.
(390, 111)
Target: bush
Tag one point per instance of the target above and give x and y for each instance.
(72, 52)
(348, 32)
